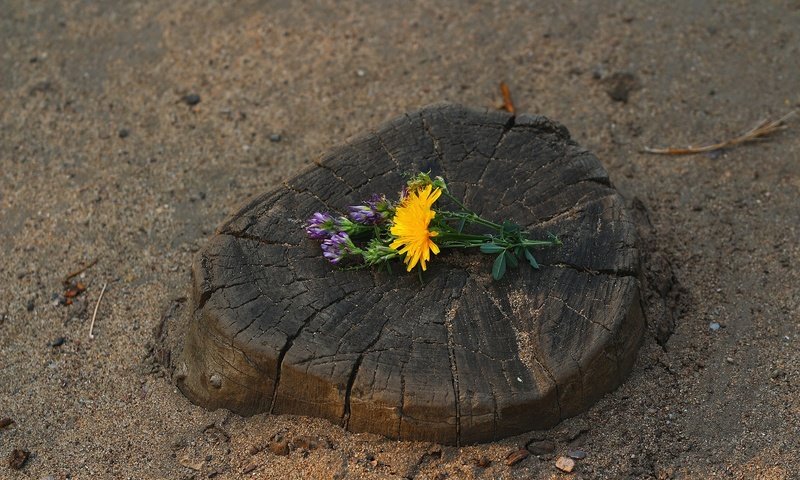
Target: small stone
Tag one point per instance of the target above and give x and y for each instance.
(191, 99)
(729, 359)
(181, 372)
(17, 458)
(253, 450)
(275, 137)
(565, 464)
(577, 454)
(30, 305)
(517, 456)
(306, 442)
(360, 72)
(279, 447)
(123, 133)
(4, 422)
(713, 326)
(541, 447)
(483, 461)
(215, 380)
(209, 458)
(58, 342)
(249, 468)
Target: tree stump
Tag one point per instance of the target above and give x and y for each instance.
(459, 359)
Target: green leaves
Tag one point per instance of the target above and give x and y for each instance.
(491, 248)
(499, 267)
(508, 256)
(511, 259)
(531, 260)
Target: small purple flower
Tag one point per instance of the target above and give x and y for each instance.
(372, 212)
(320, 226)
(336, 247)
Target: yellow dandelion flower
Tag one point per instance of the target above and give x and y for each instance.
(410, 228)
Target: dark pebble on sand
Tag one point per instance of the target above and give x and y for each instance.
(124, 133)
(577, 454)
(30, 306)
(191, 99)
(541, 447)
(58, 342)
(275, 137)
(17, 458)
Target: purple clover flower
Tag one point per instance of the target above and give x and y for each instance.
(320, 226)
(336, 247)
(372, 212)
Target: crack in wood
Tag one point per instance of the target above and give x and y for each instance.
(290, 341)
(450, 314)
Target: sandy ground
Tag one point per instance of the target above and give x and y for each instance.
(102, 159)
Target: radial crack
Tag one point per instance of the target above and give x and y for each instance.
(290, 341)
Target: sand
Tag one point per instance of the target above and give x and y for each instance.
(103, 158)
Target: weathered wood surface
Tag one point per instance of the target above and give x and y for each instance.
(461, 359)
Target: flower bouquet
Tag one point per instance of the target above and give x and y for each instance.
(380, 230)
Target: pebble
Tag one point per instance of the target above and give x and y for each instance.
(713, 326)
(191, 99)
(729, 359)
(275, 137)
(360, 72)
(58, 342)
(17, 458)
(57, 299)
(4, 422)
(249, 468)
(483, 461)
(306, 442)
(517, 456)
(30, 306)
(215, 380)
(279, 447)
(565, 464)
(577, 454)
(123, 133)
(542, 447)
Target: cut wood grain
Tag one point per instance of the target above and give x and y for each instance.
(461, 359)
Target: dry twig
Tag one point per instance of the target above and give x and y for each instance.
(762, 129)
(508, 105)
(96, 306)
